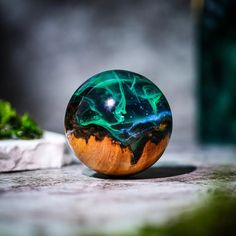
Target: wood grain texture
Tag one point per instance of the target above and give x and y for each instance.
(110, 158)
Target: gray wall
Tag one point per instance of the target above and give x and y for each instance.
(50, 47)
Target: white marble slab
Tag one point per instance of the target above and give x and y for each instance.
(47, 152)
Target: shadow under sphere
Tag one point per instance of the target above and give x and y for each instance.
(150, 173)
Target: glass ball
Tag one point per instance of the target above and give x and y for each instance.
(118, 123)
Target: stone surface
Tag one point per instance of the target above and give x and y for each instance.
(47, 152)
(72, 200)
(118, 122)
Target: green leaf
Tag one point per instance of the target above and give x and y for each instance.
(6, 112)
(13, 126)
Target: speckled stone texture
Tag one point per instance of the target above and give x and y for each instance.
(73, 199)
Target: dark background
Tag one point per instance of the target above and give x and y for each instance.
(48, 48)
(217, 72)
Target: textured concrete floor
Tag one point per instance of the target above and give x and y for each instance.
(73, 199)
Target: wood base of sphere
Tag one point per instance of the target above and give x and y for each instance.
(110, 158)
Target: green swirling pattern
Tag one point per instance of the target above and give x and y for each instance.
(125, 104)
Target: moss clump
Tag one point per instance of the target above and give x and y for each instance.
(14, 126)
(216, 217)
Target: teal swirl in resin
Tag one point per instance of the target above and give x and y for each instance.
(122, 105)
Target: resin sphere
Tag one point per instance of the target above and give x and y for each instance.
(118, 123)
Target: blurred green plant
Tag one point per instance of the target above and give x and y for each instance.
(14, 126)
(216, 216)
